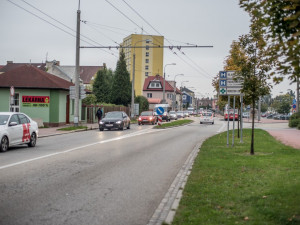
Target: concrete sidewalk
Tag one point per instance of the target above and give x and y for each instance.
(52, 131)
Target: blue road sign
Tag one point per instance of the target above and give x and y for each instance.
(223, 83)
(223, 74)
(294, 106)
(160, 111)
(294, 101)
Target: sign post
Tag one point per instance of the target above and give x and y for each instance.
(160, 111)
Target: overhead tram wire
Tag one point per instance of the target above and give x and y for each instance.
(166, 39)
(73, 35)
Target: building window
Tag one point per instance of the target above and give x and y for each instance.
(147, 60)
(146, 67)
(147, 41)
(149, 95)
(183, 97)
(147, 54)
(157, 85)
(146, 74)
(147, 47)
(170, 96)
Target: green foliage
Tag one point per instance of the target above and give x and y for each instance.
(294, 120)
(228, 186)
(281, 21)
(90, 100)
(174, 123)
(121, 85)
(101, 86)
(143, 103)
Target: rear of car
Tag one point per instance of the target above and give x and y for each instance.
(173, 115)
(207, 117)
(15, 129)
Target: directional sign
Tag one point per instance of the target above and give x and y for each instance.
(160, 110)
(228, 85)
(294, 101)
(294, 106)
(223, 83)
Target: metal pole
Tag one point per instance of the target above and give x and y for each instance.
(233, 120)
(76, 113)
(241, 140)
(228, 120)
(132, 86)
(259, 108)
(164, 87)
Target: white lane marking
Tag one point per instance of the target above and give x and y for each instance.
(146, 131)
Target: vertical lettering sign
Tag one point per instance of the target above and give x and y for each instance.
(35, 101)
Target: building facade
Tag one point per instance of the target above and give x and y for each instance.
(148, 60)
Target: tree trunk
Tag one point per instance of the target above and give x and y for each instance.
(252, 136)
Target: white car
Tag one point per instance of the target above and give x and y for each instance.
(15, 129)
(207, 117)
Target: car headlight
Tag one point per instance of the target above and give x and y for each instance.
(119, 122)
(151, 118)
(101, 122)
(140, 118)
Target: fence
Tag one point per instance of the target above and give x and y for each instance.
(88, 112)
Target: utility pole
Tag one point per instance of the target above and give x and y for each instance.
(76, 113)
(298, 86)
(132, 86)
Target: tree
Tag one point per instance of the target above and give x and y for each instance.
(121, 85)
(143, 103)
(282, 30)
(101, 86)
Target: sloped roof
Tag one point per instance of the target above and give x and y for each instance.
(28, 76)
(154, 100)
(11, 66)
(169, 87)
(86, 72)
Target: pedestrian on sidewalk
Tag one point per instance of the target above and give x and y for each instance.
(99, 113)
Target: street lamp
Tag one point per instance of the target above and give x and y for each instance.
(174, 96)
(164, 88)
(133, 78)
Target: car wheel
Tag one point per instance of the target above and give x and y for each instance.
(4, 144)
(213, 123)
(139, 124)
(32, 142)
(101, 129)
(128, 127)
(153, 123)
(200, 122)
(121, 128)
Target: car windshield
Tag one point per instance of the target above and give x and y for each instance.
(3, 119)
(206, 114)
(148, 113)
(172, 112)
(179, 112)
(114, 115)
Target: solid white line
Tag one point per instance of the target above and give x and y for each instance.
(222, 128)
(147, 131)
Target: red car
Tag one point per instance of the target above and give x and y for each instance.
(236, 118)
(147, 117)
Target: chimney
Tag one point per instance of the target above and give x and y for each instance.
(10, 62)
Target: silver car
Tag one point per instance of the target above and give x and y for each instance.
(15, 129)
(173, 115)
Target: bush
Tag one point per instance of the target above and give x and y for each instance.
(298, 126)
(294, 120)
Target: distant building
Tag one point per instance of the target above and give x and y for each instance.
(148, 61)
(188, 97)
(153, 91)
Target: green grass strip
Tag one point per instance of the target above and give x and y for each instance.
(229, 186)
(173, 124)
(72, 128)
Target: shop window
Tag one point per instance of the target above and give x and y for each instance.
(15, 103)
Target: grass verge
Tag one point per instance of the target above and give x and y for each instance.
(229, 186)
(72, 128)
(173, 124)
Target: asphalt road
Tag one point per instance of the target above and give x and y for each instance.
(92, 177)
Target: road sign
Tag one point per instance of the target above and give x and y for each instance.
(228, 85)
(294, 101)
(160, 110)
(294, 106)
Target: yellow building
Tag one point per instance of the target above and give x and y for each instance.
(148, 60)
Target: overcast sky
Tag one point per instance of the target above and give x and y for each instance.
(26, 37)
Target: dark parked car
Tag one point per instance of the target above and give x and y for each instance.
(115, 120)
